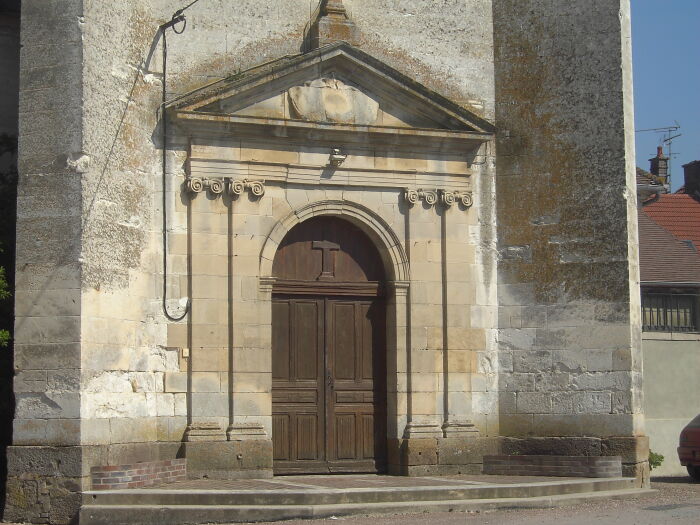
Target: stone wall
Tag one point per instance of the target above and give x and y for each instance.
(125, 346)
(569, 338)
(48, 280)
(103, 375)
(92, 342)
(565, 466)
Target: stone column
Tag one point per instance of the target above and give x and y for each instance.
(207, 367)
(397, 359)
(424, 302)
(458, 295)
(250, 420)
(417, 454)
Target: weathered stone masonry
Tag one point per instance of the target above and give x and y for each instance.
(488, 156)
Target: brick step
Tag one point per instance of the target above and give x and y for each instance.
(173, 514)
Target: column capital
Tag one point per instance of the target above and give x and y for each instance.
(399, 288)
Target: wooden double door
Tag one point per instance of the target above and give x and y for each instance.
(328, 384)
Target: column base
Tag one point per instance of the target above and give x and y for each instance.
(245, 432)
(459, 428)
(440, 456)
(204, 432)
(237, 459)
(417, 430)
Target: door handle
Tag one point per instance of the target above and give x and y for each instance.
(330, 381)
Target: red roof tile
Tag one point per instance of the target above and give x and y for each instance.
(662, 257)
(678, 213)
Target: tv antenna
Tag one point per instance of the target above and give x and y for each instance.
(669, 135)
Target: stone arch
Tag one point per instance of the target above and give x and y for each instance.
(387, 242)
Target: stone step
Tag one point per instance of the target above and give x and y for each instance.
(174, 514)
(334, 496)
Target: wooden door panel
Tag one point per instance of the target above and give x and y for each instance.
(281, 355)
(368, 325)
(280, 437)
(356, 403)
(368, 436)
(321, 425)
(307, 429)
(345, 438)
(307, 345)
(343, 341)
(298, 413)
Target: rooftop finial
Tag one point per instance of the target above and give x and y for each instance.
(331, 25)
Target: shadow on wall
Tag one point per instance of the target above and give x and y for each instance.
(8, 199)
(9, 99)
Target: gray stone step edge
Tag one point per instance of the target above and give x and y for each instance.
(358, 495)
(194, 514)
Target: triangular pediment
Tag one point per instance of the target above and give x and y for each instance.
(335, 85)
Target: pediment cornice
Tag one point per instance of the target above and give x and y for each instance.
(337, 91)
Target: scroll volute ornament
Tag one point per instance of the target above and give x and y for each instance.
(256, 187)
(216, 187)
(431, 197)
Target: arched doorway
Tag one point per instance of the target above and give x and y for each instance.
(328, 350)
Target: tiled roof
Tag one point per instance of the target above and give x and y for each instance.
(679, 213)
(648, 186)
(646, 179)
(662, 257)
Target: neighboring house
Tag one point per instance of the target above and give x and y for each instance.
(669, 235)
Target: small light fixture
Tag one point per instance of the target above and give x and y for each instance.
(337, 157)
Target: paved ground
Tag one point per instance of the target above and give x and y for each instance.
(350, 481)
(677, 502)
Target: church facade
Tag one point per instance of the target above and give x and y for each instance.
(361, 237)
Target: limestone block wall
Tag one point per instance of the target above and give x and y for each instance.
(228, 333)
(126, 352)
(569, 337)
(48, 280)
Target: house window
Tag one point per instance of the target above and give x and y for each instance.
(669, 312)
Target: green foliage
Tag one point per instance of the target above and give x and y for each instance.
(4, 294)
(655, 460)
(4, 290)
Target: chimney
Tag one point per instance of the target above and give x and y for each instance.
(659, 165)
(691, 172)
(332, 25)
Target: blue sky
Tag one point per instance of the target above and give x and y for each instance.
(666, 51)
